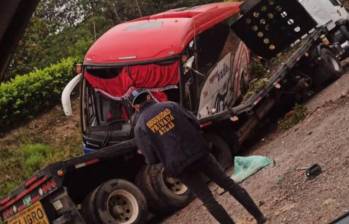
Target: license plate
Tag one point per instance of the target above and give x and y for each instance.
(35, 214)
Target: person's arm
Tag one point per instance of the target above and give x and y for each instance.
(145, 147)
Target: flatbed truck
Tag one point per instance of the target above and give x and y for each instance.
(111, 183)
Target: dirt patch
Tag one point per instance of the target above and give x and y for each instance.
(283, 192)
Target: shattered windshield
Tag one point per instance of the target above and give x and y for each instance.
(106, 89)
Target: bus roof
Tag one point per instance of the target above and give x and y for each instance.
(158, 36)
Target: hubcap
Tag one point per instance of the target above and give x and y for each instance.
(123, 207)
(175, 185)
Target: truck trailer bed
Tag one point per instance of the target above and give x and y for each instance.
(278, 73)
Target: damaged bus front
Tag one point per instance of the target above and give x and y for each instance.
(188, 56)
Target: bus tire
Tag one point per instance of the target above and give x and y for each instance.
(328, 68)
(220, 150)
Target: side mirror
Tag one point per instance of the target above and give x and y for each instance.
(66, 101)
(189, 63)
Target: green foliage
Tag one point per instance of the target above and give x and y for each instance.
(260, 78)
(257, 69)
(11, 170)
(296, 115)
(35, 156)
(35, 149)
(18, 164)
(21, 163)
(25, 96)
(8, 187)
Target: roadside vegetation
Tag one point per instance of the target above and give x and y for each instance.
(296, 115)
(24, 161)
(49, 138)
(26, 96)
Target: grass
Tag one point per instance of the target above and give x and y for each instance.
(48, 138)
(18, 164)
(35, 156)
(296, 115)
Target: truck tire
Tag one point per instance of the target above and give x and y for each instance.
(328, 69)
(144, 182)
(116, 201)
(164, 193)
(220, 150)
(88, 209)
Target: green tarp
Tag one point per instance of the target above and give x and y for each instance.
(245, 167)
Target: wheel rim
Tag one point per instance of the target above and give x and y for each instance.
(174, 184)
(123, 207)
(335, 64)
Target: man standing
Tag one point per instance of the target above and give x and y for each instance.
(166, 133)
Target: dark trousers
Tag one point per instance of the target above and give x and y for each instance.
(193, 178)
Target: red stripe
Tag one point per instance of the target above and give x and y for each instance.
(206, 124)
(30, 181)
(22, 194)
(93, 161)
(3, 201)
(35, 199)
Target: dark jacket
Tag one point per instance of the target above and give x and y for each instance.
(166, 133)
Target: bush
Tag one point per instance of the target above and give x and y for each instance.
(25, 96)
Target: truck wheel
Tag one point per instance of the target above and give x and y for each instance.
(116, 201)
(327, 70)
(88, 209)
(220, 149)
(144, 182)
(164, 193)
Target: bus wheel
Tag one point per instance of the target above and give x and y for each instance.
(328, 69)
(116, 201)
(163, 192)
